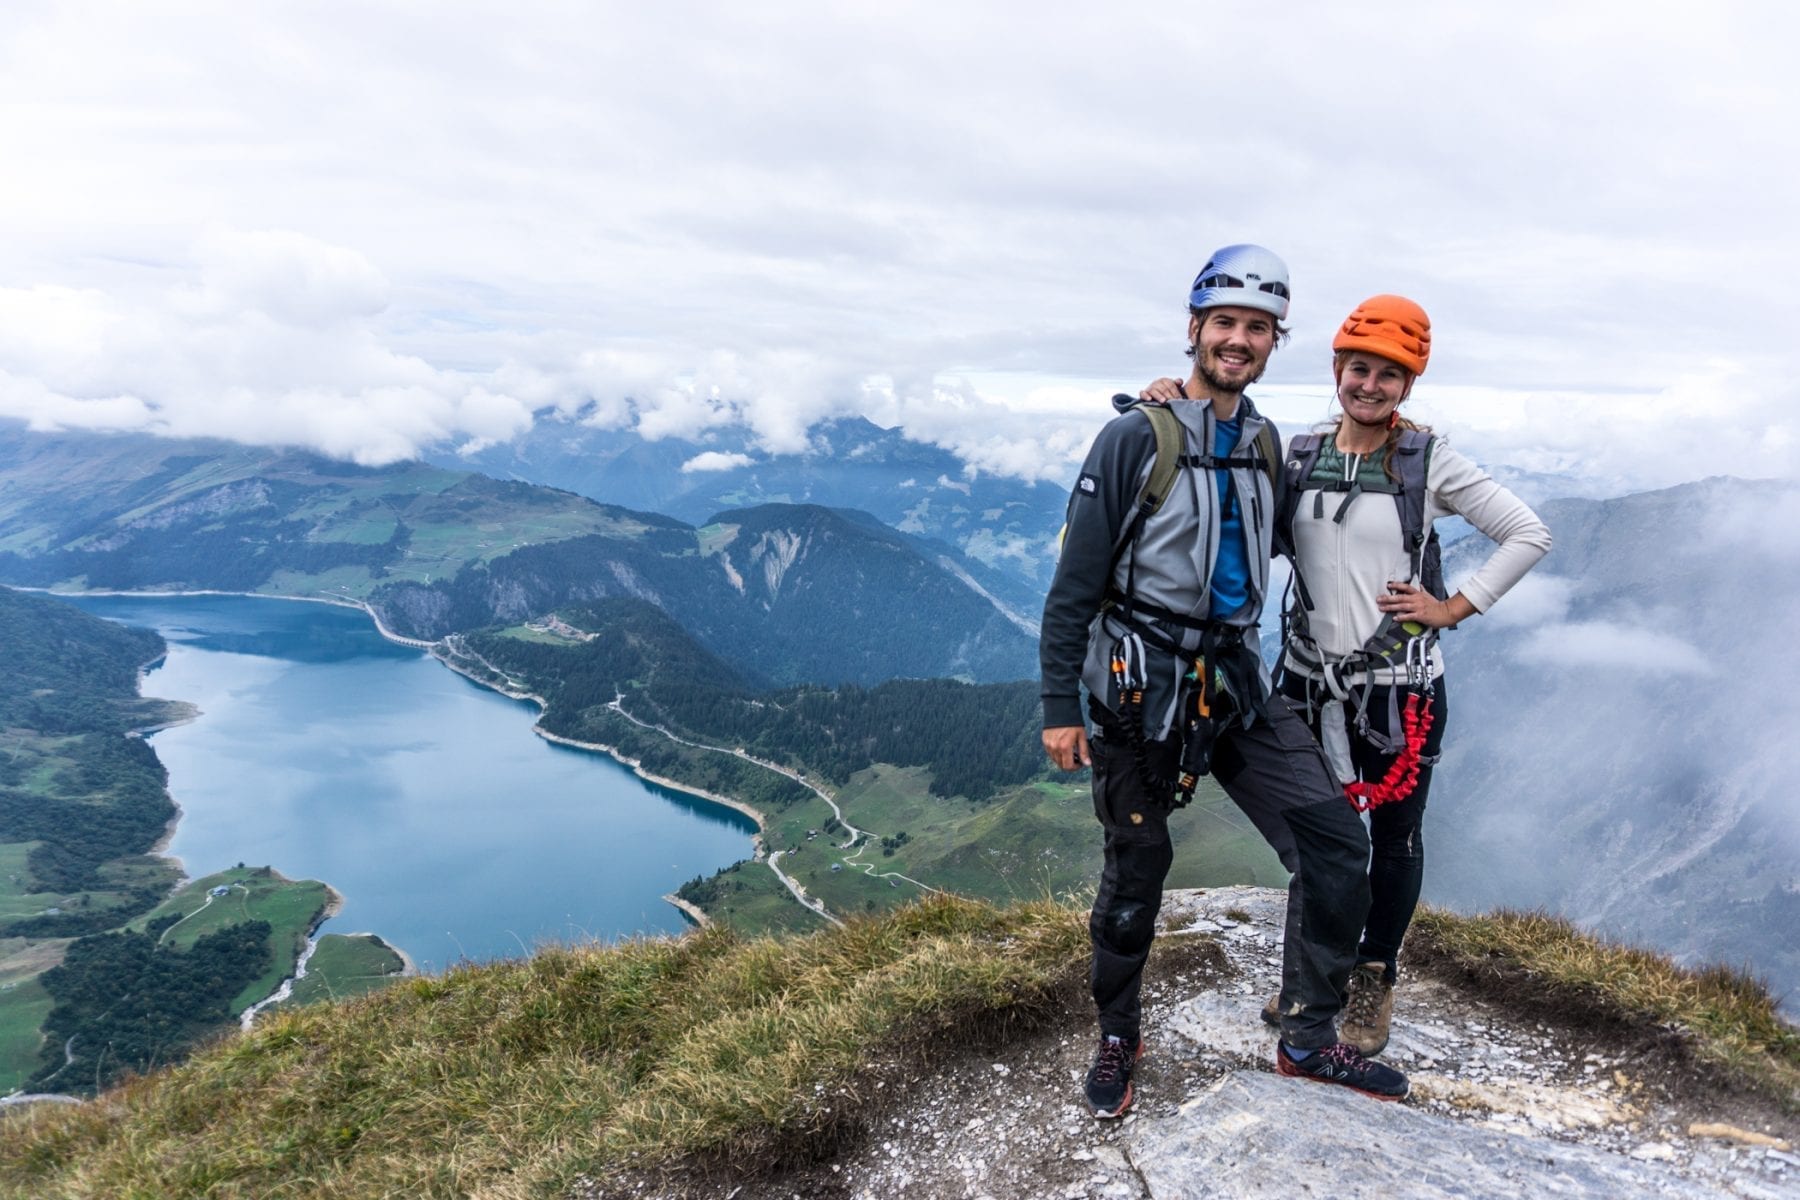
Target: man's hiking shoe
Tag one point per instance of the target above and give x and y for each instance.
(1109, 1079)
(1271, 1013)
(1368, 1008)
(1343, 1064)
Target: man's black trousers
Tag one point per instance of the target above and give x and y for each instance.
(1277, 775)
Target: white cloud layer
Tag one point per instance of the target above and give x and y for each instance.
(344, 227)
(1589, 645)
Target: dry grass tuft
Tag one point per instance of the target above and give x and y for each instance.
(1723, 1019)
(511, 1080)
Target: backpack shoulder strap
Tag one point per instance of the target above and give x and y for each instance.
(1412, 460)
(1270, 455)
(1302, 454)
(1167, 427)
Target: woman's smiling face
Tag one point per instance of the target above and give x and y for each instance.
(1370, 387)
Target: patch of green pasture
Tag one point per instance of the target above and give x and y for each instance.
(1035, 841)
(1216, 845)
(17, 899)
(30, 904)
(345, 965)
(23, 958)
(714, 538)
(341, 583)
(15, 877)
(23, 1008)
(291, 907)
(1040, 840)
(524, 633)
(754, 901)
(372, 530)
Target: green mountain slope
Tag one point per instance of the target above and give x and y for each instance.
(947, 779)
(791, 593)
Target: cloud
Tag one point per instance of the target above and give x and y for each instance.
(677, 218)
(270, 342)
(713, 460)
(1583, 645)
(1539, 599)
(295, 280)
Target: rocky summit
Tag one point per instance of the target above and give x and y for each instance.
(1502, 1104)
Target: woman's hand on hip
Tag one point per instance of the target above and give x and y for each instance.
(1404, 602)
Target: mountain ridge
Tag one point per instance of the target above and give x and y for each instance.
(434, 552)
(1008, 525)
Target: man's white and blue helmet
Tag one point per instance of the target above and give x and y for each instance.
(1244, 276)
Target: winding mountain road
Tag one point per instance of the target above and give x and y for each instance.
(858, 838)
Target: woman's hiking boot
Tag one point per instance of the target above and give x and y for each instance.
(1369, 1008)
(1271, 1013)
(1344, 1065)
(1109, 1079)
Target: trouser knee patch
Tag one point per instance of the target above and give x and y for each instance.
(1130, 928)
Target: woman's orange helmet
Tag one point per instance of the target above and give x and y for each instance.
(1391, 326)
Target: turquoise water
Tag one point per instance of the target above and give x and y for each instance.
(451, 829)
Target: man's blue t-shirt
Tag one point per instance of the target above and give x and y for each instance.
(1231, 573)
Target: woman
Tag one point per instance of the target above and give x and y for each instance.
(1360, 655)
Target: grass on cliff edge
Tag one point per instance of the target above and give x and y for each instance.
(1724, 1019)
(511, 1080)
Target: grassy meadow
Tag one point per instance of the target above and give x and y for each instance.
(291, 907)
(345, 966)
(576, 1062)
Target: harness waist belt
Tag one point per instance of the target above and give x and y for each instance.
(1213, 462)
(1129, 608)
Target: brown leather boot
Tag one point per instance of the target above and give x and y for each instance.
(1368, 1009)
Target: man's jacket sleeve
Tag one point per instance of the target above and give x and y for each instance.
(1099, 509)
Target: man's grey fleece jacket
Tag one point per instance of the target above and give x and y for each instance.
(1170, 565)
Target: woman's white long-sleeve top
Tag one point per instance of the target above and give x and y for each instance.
(1346, 565)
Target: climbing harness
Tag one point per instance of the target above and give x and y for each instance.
(1220, 676)
(1394, 644)
(1219, 684)
(1402, 775)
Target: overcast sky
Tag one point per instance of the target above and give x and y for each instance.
(373, 227)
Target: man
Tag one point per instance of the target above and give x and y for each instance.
(1154, 608)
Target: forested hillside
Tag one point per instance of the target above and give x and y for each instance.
(126, 1003)
(974, 739)
(85, 801)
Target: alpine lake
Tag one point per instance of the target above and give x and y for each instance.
(450, 829)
